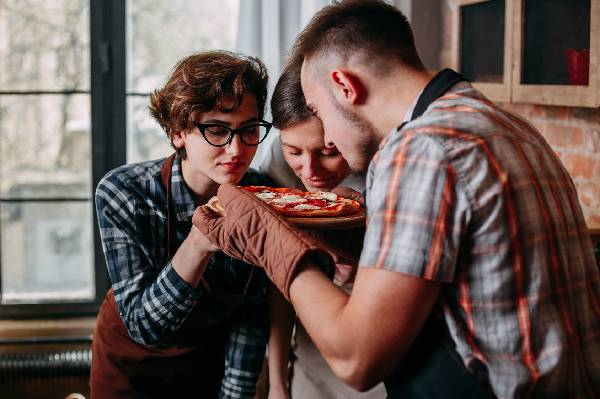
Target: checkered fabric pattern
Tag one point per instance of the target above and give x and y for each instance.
(473, 197)
(152, 298)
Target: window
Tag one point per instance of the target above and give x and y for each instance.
(75, 79)
(159, 34)
(46, 240)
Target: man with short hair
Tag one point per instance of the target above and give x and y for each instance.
(477, 275)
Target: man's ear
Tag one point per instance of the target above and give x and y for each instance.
(347, 87)
(178, 138)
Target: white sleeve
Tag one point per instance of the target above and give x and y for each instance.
(270, 161)
(355, 181)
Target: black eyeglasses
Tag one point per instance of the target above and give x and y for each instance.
(219, 135)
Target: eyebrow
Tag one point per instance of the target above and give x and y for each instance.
(288, 145)
(220, 122)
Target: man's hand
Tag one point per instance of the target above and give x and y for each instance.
(347, 192)
(255, 233)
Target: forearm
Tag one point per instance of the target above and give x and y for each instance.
(190, 261)
(320, 305)
(152, 305)
(365, 335)
(282, 324)
(153, 311)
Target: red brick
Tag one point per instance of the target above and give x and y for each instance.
(592, 140)
(569, 137)
(538, 111)
(563, 113)
(589, 194)
(593, 221)
(579, 165)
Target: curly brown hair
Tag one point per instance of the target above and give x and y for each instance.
(202, 82)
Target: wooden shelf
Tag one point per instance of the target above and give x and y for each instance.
(513, 86)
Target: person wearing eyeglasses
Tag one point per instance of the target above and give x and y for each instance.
(181, 318)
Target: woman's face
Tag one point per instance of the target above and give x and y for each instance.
(319, 168)
(206, 164)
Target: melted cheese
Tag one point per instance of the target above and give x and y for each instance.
(305, 207)
(266, 195)
(286, 199)
(327, 196)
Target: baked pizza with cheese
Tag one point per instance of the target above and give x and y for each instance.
(298, 203)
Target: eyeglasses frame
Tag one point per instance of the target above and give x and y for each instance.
(232, 132)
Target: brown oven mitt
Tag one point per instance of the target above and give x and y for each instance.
(255, 233)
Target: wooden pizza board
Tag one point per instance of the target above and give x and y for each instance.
(354, 220)
(331, 223)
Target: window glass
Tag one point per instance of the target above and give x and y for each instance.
(45, 146)
(160, 33)
(145, 138)
(44, 45)
(556, 42)
(482, 55)
(46, 252)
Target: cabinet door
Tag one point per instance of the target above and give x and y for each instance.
(555, 49)
(482, 45)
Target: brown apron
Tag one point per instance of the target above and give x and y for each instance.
(190, 364)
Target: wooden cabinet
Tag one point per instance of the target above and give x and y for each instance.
(530, 51)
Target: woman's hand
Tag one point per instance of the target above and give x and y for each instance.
(200, 242)
(255, 233)
(191, 258)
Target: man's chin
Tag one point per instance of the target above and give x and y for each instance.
(359, 166)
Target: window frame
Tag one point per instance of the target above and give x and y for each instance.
(108, 143)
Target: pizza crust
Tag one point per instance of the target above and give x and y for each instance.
(213, 204)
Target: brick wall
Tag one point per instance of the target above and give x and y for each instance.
(574, 133)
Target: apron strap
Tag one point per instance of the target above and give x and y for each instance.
(436, 88)
(165, 174)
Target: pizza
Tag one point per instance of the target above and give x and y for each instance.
(298, 203)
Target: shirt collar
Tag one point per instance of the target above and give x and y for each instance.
(411, 108)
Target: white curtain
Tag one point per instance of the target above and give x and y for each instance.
(266, 29)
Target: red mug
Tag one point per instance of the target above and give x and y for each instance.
(578, 66)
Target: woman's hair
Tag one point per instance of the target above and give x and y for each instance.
(205, 81)
(288, 106)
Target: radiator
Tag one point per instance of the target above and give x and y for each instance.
(51, 363)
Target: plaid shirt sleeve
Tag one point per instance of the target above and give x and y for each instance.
(416, 214)
(151, 306)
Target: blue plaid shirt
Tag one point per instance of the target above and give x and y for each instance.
(152, 298)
